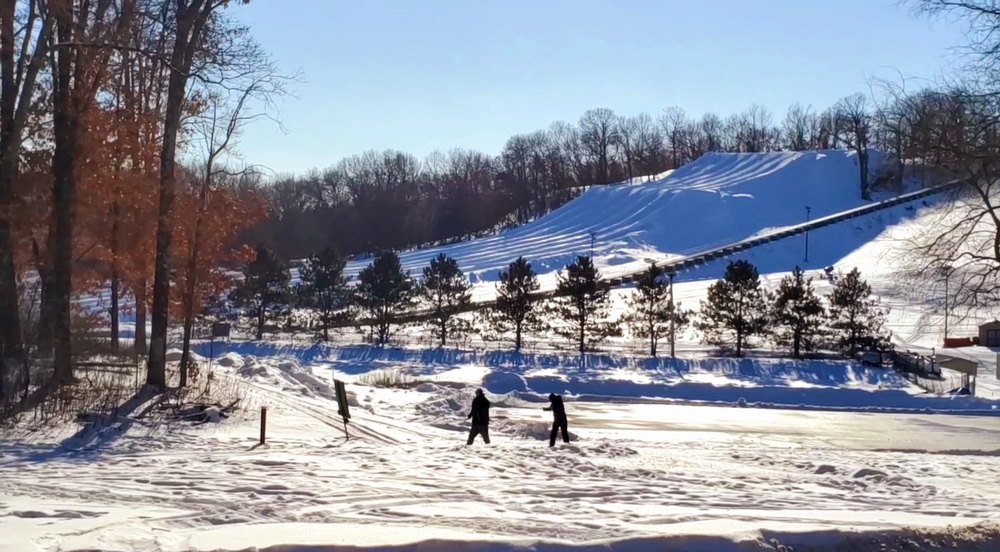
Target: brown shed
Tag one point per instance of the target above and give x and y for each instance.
(989, 334)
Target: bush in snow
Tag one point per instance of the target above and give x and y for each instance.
(386, 378)
(445, 291)
(582, 305)
(736, 308)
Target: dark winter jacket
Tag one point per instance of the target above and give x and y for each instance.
(557, 408)
(480, 413)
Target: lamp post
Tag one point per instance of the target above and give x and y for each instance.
(946, 272)
(673, 314)
(808, 212)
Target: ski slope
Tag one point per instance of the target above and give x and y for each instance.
(719, 198)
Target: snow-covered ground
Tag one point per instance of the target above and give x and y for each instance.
(635, 474)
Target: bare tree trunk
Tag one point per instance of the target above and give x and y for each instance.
(141, 348)
(17, 82)
(186, 350)
(46, 313)
(10, 320)
(191, 284)
(115, 324)
(115, 281)
(65, 132)
(191, 18)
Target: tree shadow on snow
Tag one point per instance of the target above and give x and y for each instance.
(96, 433)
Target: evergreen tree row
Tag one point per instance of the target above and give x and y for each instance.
(737, 314)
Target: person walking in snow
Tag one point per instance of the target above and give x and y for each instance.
(480, 416)
(559, 422)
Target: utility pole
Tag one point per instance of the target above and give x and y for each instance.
(808, 212)
(946, 271)
(673, 315)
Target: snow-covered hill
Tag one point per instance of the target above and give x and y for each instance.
(717, 199)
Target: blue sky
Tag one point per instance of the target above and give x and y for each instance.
(420, 75)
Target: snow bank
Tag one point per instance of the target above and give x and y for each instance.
(773, 396)
(174, 355)
(287, 375)
(781, 383)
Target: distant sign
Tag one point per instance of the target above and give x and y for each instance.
(220, 329)
(342, 407)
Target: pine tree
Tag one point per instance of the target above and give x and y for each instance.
(583, 303)
(736, 309)
(797, 313)
(446, 291)
(651, 311)
(323, 287)
(855, 317)
(383, 290)
(264, 289)
(515, 306)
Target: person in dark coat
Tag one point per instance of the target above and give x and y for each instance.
(559, 422)
(480, 416)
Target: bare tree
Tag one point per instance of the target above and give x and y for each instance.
(85, 34)
(20, 65)
(710, 135)
(649, 146)
(796, 128)
(673, 120)
(191, 17)
(956, 132)
(229, 111)
(981, 19)
(853, 111)
(599, 134)
(628, 141)
(964, 243)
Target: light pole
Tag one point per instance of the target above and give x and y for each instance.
(673, 314)
(946, 272)
(808, 212)
(593, 236)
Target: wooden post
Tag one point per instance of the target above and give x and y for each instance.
(263, 423)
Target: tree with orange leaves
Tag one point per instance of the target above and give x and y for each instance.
(211, 214)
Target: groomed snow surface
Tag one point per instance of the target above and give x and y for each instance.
(696, 454)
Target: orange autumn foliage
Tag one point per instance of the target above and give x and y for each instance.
(208, 223)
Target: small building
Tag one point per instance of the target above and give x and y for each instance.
(958, 364)
(967, 367)
(989, 334)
